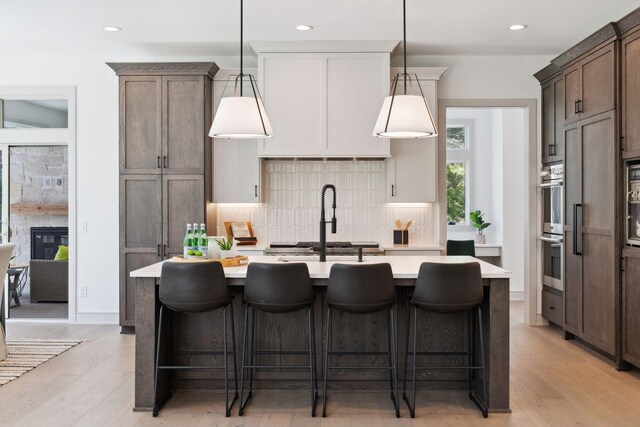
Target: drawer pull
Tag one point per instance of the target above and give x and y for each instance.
(551, 307)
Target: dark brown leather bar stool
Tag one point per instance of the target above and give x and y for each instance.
(362, 289)
(195, 288)
(461, 247)
(276, 289)
(448, 289)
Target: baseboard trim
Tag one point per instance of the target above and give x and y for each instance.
(98, 318)
(516, 296)
(541, 321)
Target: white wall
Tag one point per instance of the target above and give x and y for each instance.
(97, 136)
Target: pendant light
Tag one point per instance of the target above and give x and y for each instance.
(406, 114)
(241, 115)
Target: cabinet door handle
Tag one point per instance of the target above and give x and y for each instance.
(255, 190)
(393, 190)
(575, 107)
(577, 230)
(552, 150)
(164, 252)
(579, 105)
(165, 162)
(159, 164)
(159, 254)
(551, 307)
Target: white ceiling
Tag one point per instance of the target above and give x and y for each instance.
(210, 27)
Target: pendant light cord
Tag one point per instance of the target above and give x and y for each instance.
(404, 41)
(241, 43)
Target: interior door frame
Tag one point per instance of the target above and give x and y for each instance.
(532, 212)
(41, 137)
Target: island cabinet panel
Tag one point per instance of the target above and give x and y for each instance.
(184, 132)
(140, 233)
(631, 306)
(631, 94)
(202, 332)
(590, 85)
(140, 125)
(165, 162)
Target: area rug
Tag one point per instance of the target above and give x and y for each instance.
(24, 354)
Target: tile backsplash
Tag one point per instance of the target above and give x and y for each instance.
(291, 204)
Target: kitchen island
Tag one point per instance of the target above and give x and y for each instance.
(202, 332)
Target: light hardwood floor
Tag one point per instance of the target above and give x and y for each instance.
(553, 383)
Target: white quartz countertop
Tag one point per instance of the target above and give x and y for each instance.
(411, 247)
(404, 267)
(249, 248)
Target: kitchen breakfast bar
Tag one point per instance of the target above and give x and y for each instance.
(200, 333)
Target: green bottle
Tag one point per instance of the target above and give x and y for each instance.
(203, 244)
(188, 238)
(195, 240)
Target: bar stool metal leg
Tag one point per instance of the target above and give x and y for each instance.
(243, 360)
(312, 364)
(315, 364)
(406, 355)
(325, 360)
(235, 363)
(252, 348)
(394, 365)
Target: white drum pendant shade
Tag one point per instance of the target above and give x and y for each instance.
(404, 116)
(241, 117)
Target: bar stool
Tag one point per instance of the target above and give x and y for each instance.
(277, 288)
(448, 289)
(461, 247)
(362, 289)
(196, 288)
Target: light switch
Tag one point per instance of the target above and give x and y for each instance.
(83, 226)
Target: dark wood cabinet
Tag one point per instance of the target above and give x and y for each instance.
(572, 198)
(589, 85)
(183, 201)
(140, 125)
(590, 254)
(631, 306)
(631, 94)
(552, 306)
(553, 120)
(165, 163)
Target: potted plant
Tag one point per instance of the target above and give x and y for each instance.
(478, 223)
(226, 247)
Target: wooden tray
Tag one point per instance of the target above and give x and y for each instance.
(226, 262)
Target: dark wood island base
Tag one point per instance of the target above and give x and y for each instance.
(202, 332)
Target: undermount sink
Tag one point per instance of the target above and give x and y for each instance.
(306, 258)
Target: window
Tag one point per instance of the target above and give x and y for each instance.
(458, 157)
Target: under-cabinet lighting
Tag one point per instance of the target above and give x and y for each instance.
(112, 29)
(517, 27)
(304, 27)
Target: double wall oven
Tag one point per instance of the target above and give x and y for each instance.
(551, 237)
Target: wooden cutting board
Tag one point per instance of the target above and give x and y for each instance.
(226, 262)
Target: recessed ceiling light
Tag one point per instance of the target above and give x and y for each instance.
(304, 27)
(112, 29)
(517, 27)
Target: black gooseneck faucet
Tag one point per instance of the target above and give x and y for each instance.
(324, 222)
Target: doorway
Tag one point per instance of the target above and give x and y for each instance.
(37, 146)
(490, 152)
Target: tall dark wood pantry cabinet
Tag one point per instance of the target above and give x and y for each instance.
(165, 163)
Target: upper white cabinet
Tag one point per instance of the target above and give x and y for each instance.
(324, 102)
(412, 170)
(236, 166)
